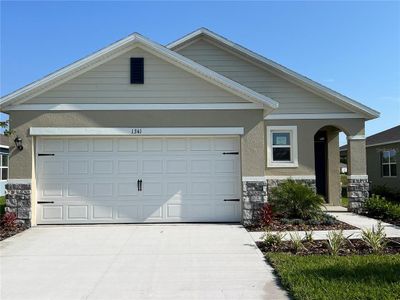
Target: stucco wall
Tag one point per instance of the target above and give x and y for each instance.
(374, 166)
(306, 130)
(252, 142)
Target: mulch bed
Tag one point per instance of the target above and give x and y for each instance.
(277, 225)
(321, 247)
(6, 232)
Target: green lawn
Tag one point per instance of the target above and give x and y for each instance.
(2, 204)
(343, 277)
(345, 202)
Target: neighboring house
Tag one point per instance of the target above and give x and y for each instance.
(195, 131)
(383, 158)
(3, 163)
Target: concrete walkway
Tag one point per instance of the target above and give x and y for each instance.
(361, 222)
(205, 261)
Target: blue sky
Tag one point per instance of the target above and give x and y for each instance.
(351, 47)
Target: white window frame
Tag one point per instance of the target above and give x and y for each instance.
(389, 163)
(2, 167)
(293, 163)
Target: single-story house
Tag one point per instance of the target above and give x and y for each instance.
(383, 158)
(198, 130)
(3, 163)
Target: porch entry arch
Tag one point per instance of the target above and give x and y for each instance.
(327, 163)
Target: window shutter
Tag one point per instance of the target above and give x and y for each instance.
(137, 70)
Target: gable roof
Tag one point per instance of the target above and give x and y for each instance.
(388, 136)
(119, 47)
(335, 97)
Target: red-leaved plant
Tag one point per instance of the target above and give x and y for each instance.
(9, 220)
(266, 214)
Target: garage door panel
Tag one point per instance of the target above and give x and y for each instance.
(77, 145)
(53, 168)
(77, 189)
(52, 145)
(94, 180)
(78, 167)
(176, 144)
(52, 189)
(52, 213)
(178, 166)
(152, 188)
(176, 188)
(103, 167)
(78, 212)
(152, 144)
(201, 166)
(102, 212)
(200, 144)
(103, 189)
(103, 145)
(127, 167)
(226, 144)
(127, 145)
(127, 189)
(152, 166)
(128, 212)
(152, 211)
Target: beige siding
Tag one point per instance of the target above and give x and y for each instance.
(292, 98)
(110, 83)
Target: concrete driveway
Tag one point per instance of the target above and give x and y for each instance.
(190, 261)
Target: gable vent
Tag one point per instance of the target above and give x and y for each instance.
(137, 70)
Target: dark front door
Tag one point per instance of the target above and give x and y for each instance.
(320, 150)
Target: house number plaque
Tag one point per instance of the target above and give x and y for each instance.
(136, 131)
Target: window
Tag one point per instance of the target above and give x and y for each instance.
(388, 161)
(282, 146)
(3, 166)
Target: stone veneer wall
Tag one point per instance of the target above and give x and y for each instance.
(256, 193)
(18, 201)
(254, 197)
(357, 192)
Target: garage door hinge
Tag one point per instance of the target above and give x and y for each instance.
(45, 154)
(230, 153)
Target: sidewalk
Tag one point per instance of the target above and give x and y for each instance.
(361, 222)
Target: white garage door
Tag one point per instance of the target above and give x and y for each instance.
(97, 180)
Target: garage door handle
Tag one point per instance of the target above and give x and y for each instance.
(230, 153)
(45, 202)
(139, 184)
(233, 200)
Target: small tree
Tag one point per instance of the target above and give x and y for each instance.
(6, 126)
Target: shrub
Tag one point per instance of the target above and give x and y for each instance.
(9, 220)
(335, 241)
(387, 192)
(378, 207)
(308, 237)
(376, 239)
(297, 242)
(296, 201)
(266, 215)
(273, 239)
